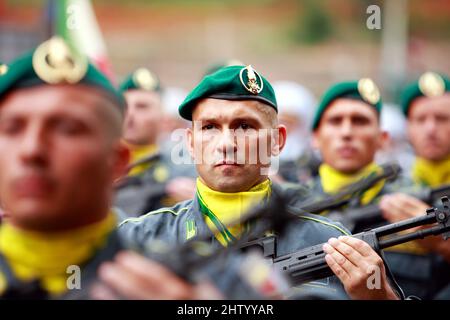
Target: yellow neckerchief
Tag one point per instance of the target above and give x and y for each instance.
(139, 152)
(33, 255)
(428, 173)
(333, 181)
(222, 208)
(431, 173)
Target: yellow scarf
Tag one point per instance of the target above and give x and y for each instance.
(229, 207)
(431, 173)
(138, 153)
(33, 255)
(333, 181)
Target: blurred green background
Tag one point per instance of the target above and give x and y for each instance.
(312, 42)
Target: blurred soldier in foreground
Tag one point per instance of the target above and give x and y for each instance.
(60, 129)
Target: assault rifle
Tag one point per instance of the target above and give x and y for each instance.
(189, 260)
(309, 264)
(306, 264)
(358, 218)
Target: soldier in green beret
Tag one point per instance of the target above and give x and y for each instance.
(60, 130)
(149, 183)
(142, 90)
(426, 104)
(347, 132)
(60, 120)
(234, 135)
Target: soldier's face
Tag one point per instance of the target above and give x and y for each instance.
(58, 158)
(348, 135)
(429, 127)
(143, 117)
(232, 143)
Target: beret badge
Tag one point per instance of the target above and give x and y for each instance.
(368, 90)
(253, 77)
(54, 62)
(431, 84)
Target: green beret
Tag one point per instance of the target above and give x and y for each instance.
(141, 79)
(230, 83)
(53, 62)
(430, 84)
(364, 89)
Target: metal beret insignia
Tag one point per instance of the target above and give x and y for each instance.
(54, 62)
(369, 90)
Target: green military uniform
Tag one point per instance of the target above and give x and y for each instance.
(417, 271)
(189, 220)
(300, 170)
(145, 191)
(186, 222)
(50, 63)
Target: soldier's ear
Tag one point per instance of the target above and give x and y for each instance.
(279, 140)
(122, 158)
(409, 132)
(190, 142)
(315, 141)
(384, 140)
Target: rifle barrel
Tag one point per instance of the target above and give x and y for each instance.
(405, 225)
(419, 234)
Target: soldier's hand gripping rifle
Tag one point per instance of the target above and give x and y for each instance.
(309, 264)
